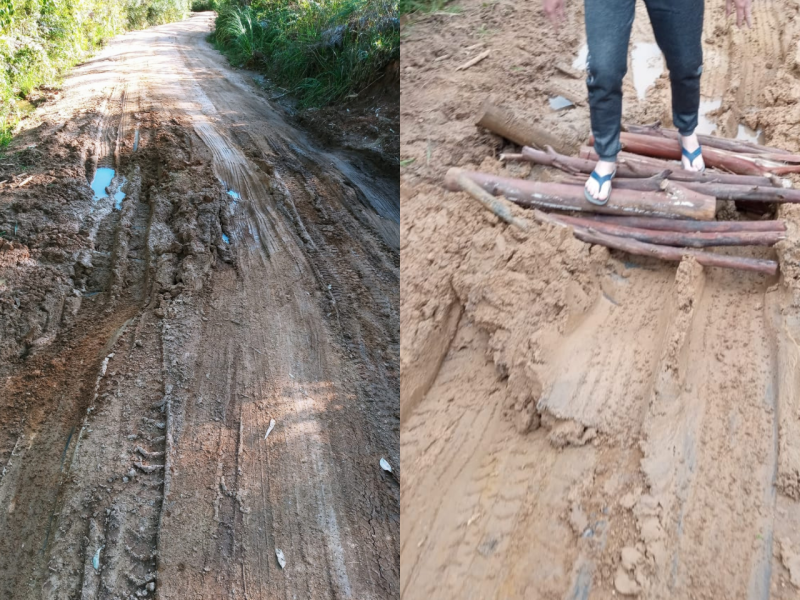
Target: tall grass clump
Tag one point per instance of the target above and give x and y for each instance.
(322, 51)
(41, 39)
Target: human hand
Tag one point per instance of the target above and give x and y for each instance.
(742, 11)
(554, 9)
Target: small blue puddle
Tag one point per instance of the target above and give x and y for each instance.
(102, 179)
(118, 198)
(226, 239)
(119, 195)
(233, 194)
(136, 140)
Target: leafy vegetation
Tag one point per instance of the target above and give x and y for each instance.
(423, 6)
(322, 52)
(40, 39)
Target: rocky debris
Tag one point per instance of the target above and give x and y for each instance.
(625, 585)
(630, 558)
(570, 433)
(578, 519)
(790, 560)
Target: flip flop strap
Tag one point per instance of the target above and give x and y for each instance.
(691, 155)
(602, 179)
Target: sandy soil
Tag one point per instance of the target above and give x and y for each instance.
(248, 275)
(576, 422)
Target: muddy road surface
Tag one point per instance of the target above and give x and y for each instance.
(579, 423)
(182, 272)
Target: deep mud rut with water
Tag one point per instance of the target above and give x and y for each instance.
(579, 423)
(223, 271)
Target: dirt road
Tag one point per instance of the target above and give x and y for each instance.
(229, 273)
(578, 423)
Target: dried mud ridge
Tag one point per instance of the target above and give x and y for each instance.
(147, 341)
(579, 423)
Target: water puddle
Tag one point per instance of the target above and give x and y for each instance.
(705, 125)
(136, 140)
(560, 103)
(746, 134)
(119, 195)
(580, 62)
(230, 191)
(102, 179)
(648, 64)
(226, 239)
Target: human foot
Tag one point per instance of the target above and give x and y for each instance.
(691, 158)
(598, 186)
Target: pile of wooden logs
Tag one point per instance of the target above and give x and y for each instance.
(656, 207)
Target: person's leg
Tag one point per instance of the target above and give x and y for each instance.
(608, 30)
(678, 27)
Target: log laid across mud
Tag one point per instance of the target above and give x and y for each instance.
(680, 238)
(670, 149)
(707, 259)
(721, 191)
(459, 181)
(658, 224)
(635, 169)
(709, 140)
(511, 126)
(675, 202)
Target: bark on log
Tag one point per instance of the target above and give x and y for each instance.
(681, 238)
(511, 126)
(627, 169)
(492, 204)
(675, 202)
(707, 140)
(714, 157)
(638, 163)
(690, 226)
(708, 259)
(721, 191)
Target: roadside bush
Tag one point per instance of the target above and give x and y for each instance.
(322, 52)
(40, 39)
(203, 5)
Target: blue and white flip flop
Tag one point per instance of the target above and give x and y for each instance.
(692, 156)
(602, 180)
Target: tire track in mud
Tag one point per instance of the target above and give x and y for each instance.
(488, 526)
(600, 376)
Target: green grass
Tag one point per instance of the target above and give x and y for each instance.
(41, 39)
(321, 52)
(423, 6)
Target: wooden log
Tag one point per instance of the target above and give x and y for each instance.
(721, 191)
(675, 202)
(646, 164)
(714, 157)
(708, 259)
(786, 158)
(707, 140)
(690, 226)
(492, 204)
(681, 238)
(626, 169)
(511, 126)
